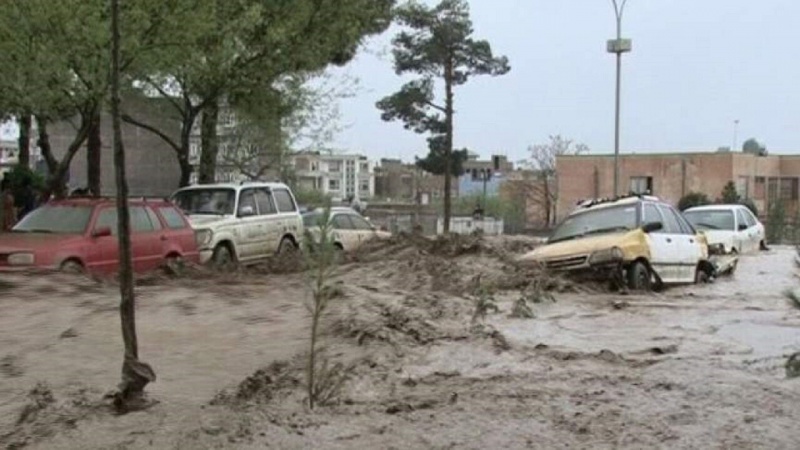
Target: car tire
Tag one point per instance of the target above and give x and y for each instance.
(223, 259)
(701, 276)
(639, 277)
(287, 247)
(72, 267)
(174, 265)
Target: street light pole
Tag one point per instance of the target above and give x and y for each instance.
(735, 134)
(618, 46)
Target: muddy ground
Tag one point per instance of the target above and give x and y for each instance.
(691, 367)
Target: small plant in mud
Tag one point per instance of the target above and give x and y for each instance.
(322, 380)
(536, 292)
(484, 302)
(793, 366)
(521, 309)
(793, 296)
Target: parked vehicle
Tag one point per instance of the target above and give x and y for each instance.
(242, 223)
(349, 229)
(80, 235)
(733, 227)
(637, 240)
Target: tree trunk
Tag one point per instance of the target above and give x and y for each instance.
(135, 374)
(25, 125)
(548, 206)
(93, 155)
(184, 152)
(448, 146)
(209, 144)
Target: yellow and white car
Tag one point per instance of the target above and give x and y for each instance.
(349, 229)
(637, 240)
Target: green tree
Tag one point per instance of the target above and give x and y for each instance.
(776, 222)
(239, 48)
(543, 161)
(437, 44)
(693, 199)
(729, 194)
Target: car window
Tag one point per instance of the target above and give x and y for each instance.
(154, 219)
(107, 218)
(68, 219)
(247, 199)
(671, 225)
(651, 214)
(741, 218)
(596, 221)
(342, 222)
(359, 223)
(140, 221)
(284, 200)
(312, 219)
(206, 200)
(748, 217)
(684, 226)
(711, 219)
(172, 217)
(264, 201)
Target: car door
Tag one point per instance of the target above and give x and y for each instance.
(251, 229)
(363, 229)
(104, 250)
(271, 223)
(664, 251)
(146, 240)
(689, 247)
(743, 236)
(290, 220)
(343, 231)
(755, 231)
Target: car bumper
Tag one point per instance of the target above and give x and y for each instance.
(205, 255)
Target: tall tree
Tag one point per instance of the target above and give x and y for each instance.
(135, 374)
(437, 44)
(754, 147)
(543, 160)
(242, 47)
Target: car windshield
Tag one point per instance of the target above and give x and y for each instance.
(61, 219)
(710, 219)
(206, 201)
(596, 221)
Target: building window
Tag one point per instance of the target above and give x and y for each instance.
(364, 186)
(742, 187)
(772, 189)
(642, 185)
(758, 189)
(333, 185)
(364, 167)
(334, 166)
(788, 189)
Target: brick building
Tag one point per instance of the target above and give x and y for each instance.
(764, 179)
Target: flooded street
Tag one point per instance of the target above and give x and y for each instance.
(690, 367)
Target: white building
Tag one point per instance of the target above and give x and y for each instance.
(9, 153)
(341, 176)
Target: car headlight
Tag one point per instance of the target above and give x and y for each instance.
(203, 238)
(605, 256)
(21, 259)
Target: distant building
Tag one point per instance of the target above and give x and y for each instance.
(483, 176)
(9, 154)
(670, 176)
(341, 176)
(399, 181)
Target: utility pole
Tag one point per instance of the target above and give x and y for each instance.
(735, 135)
(618, 46)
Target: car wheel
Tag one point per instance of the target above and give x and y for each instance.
(338, 254)
(174, 265)
(287, 247)
(701, 276)
(72, 267)
(639, 277)
(223, 258)
(763, 246)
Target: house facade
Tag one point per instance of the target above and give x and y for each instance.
(342, 176)
(483, 176)
(670, 176)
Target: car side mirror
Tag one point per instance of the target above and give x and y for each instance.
(652, 226)
(246, 211)
(101, 232)
(742, 226)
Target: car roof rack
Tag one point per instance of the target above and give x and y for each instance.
(587, 203)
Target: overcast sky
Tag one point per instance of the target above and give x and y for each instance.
(696, 66)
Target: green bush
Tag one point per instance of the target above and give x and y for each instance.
(312, 199)
(776, 222)
(750, 204)
(693, 199)
(512, 213)
(18, 176)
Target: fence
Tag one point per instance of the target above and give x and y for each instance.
(468, 225)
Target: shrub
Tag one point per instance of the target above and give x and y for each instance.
(750, 204)
(776, 222)
(693, 199)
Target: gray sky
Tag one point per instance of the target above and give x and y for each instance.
(696, 66)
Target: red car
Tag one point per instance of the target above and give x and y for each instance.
(80, 234)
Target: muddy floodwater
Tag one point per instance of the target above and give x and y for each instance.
(690, 367)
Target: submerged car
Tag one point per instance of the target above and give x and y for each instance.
(349, 229)
(80, 235)
(638, 241)
(242, 223)
(732, 227)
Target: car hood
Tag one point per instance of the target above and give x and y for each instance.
(197, 220)
(718, 236)
(10, 242)
(577, 246)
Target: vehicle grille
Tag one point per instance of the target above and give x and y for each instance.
(570, 262)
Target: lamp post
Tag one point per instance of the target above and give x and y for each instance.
(735, 134)
(618, 46)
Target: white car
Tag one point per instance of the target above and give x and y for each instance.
(349, 229)
(733, 227)
(241, 223)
